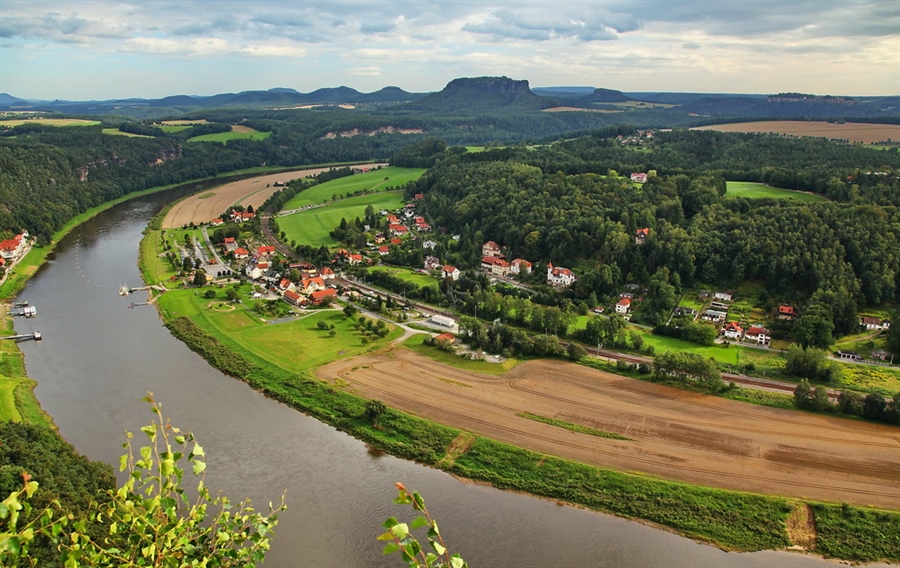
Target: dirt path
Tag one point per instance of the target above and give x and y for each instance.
(674, 434)
(208, 205)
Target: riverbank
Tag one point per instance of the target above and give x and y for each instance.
(728, 519)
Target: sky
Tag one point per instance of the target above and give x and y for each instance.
(84, 49)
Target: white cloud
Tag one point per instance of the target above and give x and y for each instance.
(370, 71)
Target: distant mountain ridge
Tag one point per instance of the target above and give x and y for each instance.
(481, 93)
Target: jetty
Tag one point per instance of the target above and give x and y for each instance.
(126, 290)
(27, 312)
(36, 336)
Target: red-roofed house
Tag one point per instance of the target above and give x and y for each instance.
(265, 250)
(319, 296)
(398, 229)
(285, 283)
(230, 245)
(520, 266)
(732, 330)
(448, 337)
(383, 250)
(491, 248)
(558, 276)
(419, 196)
(392, 219)
(396, 241)
(354, 259)
(786, 313)
(326, 273)
(639, 177)
(623, 305)
(640, 236)
(240, 217)
(310, 285)
(241, 253)
(216, 222)
(874, 323)
(494, 265)
(759, 334)
(293, 298)
(448, 271)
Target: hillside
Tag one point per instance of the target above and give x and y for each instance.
(481, 94)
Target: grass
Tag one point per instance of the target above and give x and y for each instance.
(223, 137)
(417, 344)
(753, 190)
(724, 353)
(49, 122)
(8, 410)
(572, 427)
(171, 128)
(373, 180)
(312, 227)
(407, 275)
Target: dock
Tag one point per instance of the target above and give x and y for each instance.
(36, 336)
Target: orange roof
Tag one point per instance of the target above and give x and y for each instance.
(241, 251)
(319, 295)
(624, 302)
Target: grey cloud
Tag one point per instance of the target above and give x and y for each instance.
(586, 24)
(690, 45)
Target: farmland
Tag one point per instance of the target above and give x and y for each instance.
(753, 190)
(852, 131)
(312, 227)
(49, 122)
(375, 180)
(236, 133)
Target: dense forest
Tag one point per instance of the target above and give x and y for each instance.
(561, 204)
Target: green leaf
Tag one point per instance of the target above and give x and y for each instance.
(390, 548)
(437, 547)
(418, 523)
(389, 522)
(457, 562)
(198, 467)
(385, 536)
(198, 451)
(400, 530)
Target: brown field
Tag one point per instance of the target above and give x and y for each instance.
(239, 128)
(50, 121)
(576, 109)
(208, 205)
(184, 122)
(852, 131)
(674, 434)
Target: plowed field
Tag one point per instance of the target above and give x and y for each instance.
(852, 131)
(673, 434)
(208, 205)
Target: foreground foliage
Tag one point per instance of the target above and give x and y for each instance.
(150, 520)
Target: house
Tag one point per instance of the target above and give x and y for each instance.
(598, 310)
(240, 217)
(305, 267)
(724, 296)
(393, 220)
(396, 241)
(424, 227)
(714, 316)
(849, 356)
(256, 271)
(718, 306)
(383, 250)
(354, 259)
(446, 337)
(559, 276)
(623, 305)
(874, 323)
(230, 245)
(758, 334)
(379, 238)
(432, 263)
(786, 312)
(319, 296)
(310, 285)
(494, 265)
(326, 273)
(429, 245)
(419, 196)
(397, 229)
(733, 330)
(241, 253)
(687, 312)
(265, 251)
(293, 298)
(491, 248)
(640, 236)
(520, 266)
(285, 284)
(216, 222)
(443, 321)
(639, 177)
(880, 354)
(448, 271)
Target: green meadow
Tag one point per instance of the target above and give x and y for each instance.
(753, 190)
(313, 227)
(223, 137)
(375, 180)
(407, 275)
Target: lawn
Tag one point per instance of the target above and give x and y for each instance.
(408, 275)
(416, 343)
(8, 410)
(313, 227)
(232, 135)
(732, 354)
(375, 180)
(170, 128)
(293, 346)
(753, 190)
(117, 132)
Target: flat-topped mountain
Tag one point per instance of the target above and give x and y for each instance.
(481, 93)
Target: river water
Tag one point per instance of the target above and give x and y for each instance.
(98, 359)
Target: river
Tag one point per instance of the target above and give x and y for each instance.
(98, 359)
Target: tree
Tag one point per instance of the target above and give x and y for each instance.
(374, 410)
(232, 295)
(575, 351)
(814, 328)
(803, 394)
(210, 294)
(874, 406)
(850, 402)
(199, 278)
(150, 520)
(893, 336)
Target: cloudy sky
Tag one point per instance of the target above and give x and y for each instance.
(83, 49)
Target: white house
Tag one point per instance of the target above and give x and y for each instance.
(724, 296)
(733, 330)
(491, 248)
(450, 272)
(494, 265)
(623, 305)
(429, 245)
(758, 334)
(520, 266)
(558, 276)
